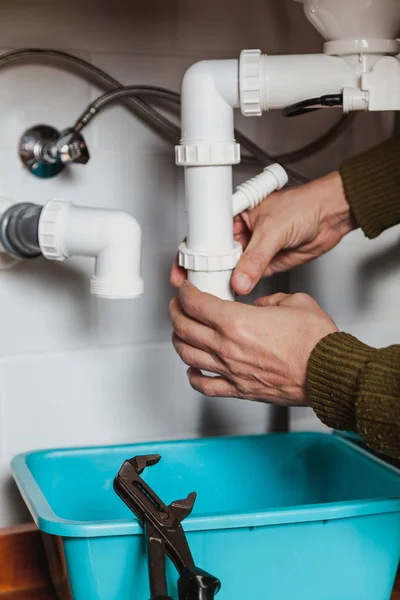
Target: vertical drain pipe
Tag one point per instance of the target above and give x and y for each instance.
(210, 92)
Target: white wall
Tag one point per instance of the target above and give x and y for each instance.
(75, 370)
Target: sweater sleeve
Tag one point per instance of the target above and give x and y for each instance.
(360, 390)
(352, 386)
(371, 183)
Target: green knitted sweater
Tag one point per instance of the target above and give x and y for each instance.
(351, 385)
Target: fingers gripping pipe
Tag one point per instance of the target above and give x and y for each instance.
(60, 230)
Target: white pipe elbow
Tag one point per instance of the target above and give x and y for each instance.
(112, 237)
(210, 91)
(117, 270)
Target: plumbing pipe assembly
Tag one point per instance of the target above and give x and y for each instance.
(46, 151)
(135, 98)
(59, 230)
(358, 70)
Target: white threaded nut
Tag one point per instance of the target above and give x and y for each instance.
(250, 83)
(49, 225)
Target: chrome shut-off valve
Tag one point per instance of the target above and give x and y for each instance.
(45, 151)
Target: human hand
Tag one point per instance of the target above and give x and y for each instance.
(259, 352)
(290, 228)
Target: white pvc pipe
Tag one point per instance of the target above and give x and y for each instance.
(113, 238)
(209, 207)
(217, 283)
(210, 214)
(252, 192)
(210, 91)
(292, 78)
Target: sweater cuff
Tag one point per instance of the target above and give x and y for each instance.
(333, 371)
(371, 183)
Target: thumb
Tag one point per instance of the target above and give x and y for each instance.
(178, 274)
(265, 242)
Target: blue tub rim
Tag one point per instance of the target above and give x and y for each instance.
(48, 522)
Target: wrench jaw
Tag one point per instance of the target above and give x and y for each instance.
(139, 463)
(138, 496)
(142, 500)
(183, 508)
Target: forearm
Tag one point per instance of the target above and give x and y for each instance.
(352, 386)
(371, 182)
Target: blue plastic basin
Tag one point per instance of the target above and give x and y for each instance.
(302, 516)
(354, 438)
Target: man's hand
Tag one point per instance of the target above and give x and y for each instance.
(289, 228)
(259, 352)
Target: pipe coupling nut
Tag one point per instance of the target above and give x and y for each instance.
(250, 83)
(194, 260)
(204, 155)
(50, 222)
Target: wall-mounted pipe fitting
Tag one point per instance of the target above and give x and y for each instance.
(59, 230)
(112, 237)
(45, 151)
(19, 226)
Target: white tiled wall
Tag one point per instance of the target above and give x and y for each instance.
(75, 370)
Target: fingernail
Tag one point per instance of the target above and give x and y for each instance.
(243, 282)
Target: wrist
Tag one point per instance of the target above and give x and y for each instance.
(335, 208)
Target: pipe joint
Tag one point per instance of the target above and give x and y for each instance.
(275, 81)
(112, 237)
(194, 260)
(209, 94)
(211, 154)
(251, 83)
(19, 230)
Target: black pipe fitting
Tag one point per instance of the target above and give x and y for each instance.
(19, 230)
